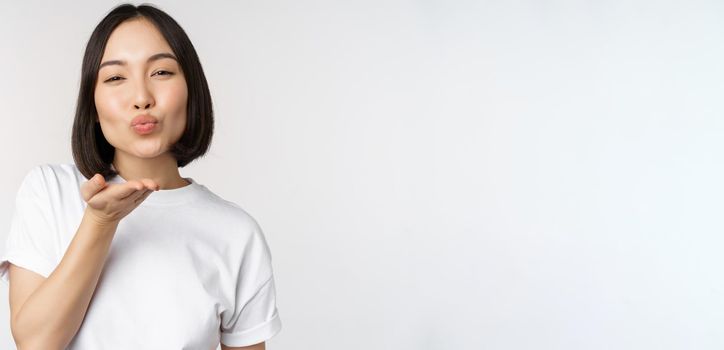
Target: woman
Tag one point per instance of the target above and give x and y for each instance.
(118, 251)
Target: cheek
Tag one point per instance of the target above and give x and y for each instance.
(172, 101)
(99, 100)
(107, 104)
(173, 97)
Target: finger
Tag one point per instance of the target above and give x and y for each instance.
(142, 197)
(130, 188)
(134, 197)
(150, 184)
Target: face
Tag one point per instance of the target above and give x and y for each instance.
(129, 84)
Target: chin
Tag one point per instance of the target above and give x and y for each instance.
(149, 152)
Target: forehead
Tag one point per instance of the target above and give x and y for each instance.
(135, 40)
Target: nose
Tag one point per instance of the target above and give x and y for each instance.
(143, 98)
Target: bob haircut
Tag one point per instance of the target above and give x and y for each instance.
(91, 151)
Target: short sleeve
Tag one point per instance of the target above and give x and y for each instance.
(254, 317)
(29, 243)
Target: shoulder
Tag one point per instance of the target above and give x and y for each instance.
(234, 212)
(228, 214)
(36, 180)
(52, 179)
(48, 172)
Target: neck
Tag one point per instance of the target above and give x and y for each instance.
(161, 169)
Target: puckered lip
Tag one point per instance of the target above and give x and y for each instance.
(142, 119)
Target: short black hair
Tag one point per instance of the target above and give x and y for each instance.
(91, 151)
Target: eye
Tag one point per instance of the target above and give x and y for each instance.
(112, 79)
(164, 71)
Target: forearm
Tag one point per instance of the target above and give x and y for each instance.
(53, 313)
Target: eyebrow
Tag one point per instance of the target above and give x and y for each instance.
(155, 57)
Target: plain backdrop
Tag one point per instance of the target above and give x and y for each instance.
(435, 175)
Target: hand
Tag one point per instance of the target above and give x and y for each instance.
(109, 203)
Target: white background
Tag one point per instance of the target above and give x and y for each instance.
(435, 175)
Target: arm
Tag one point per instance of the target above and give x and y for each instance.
(49, 316)
(259, 346)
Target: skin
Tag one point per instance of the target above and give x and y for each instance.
(157, 88)
(259, 346)
(138, 87)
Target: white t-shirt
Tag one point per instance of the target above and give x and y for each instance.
(185, 270)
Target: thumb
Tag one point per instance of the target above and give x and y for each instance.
(99, 180)
(92, 186)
